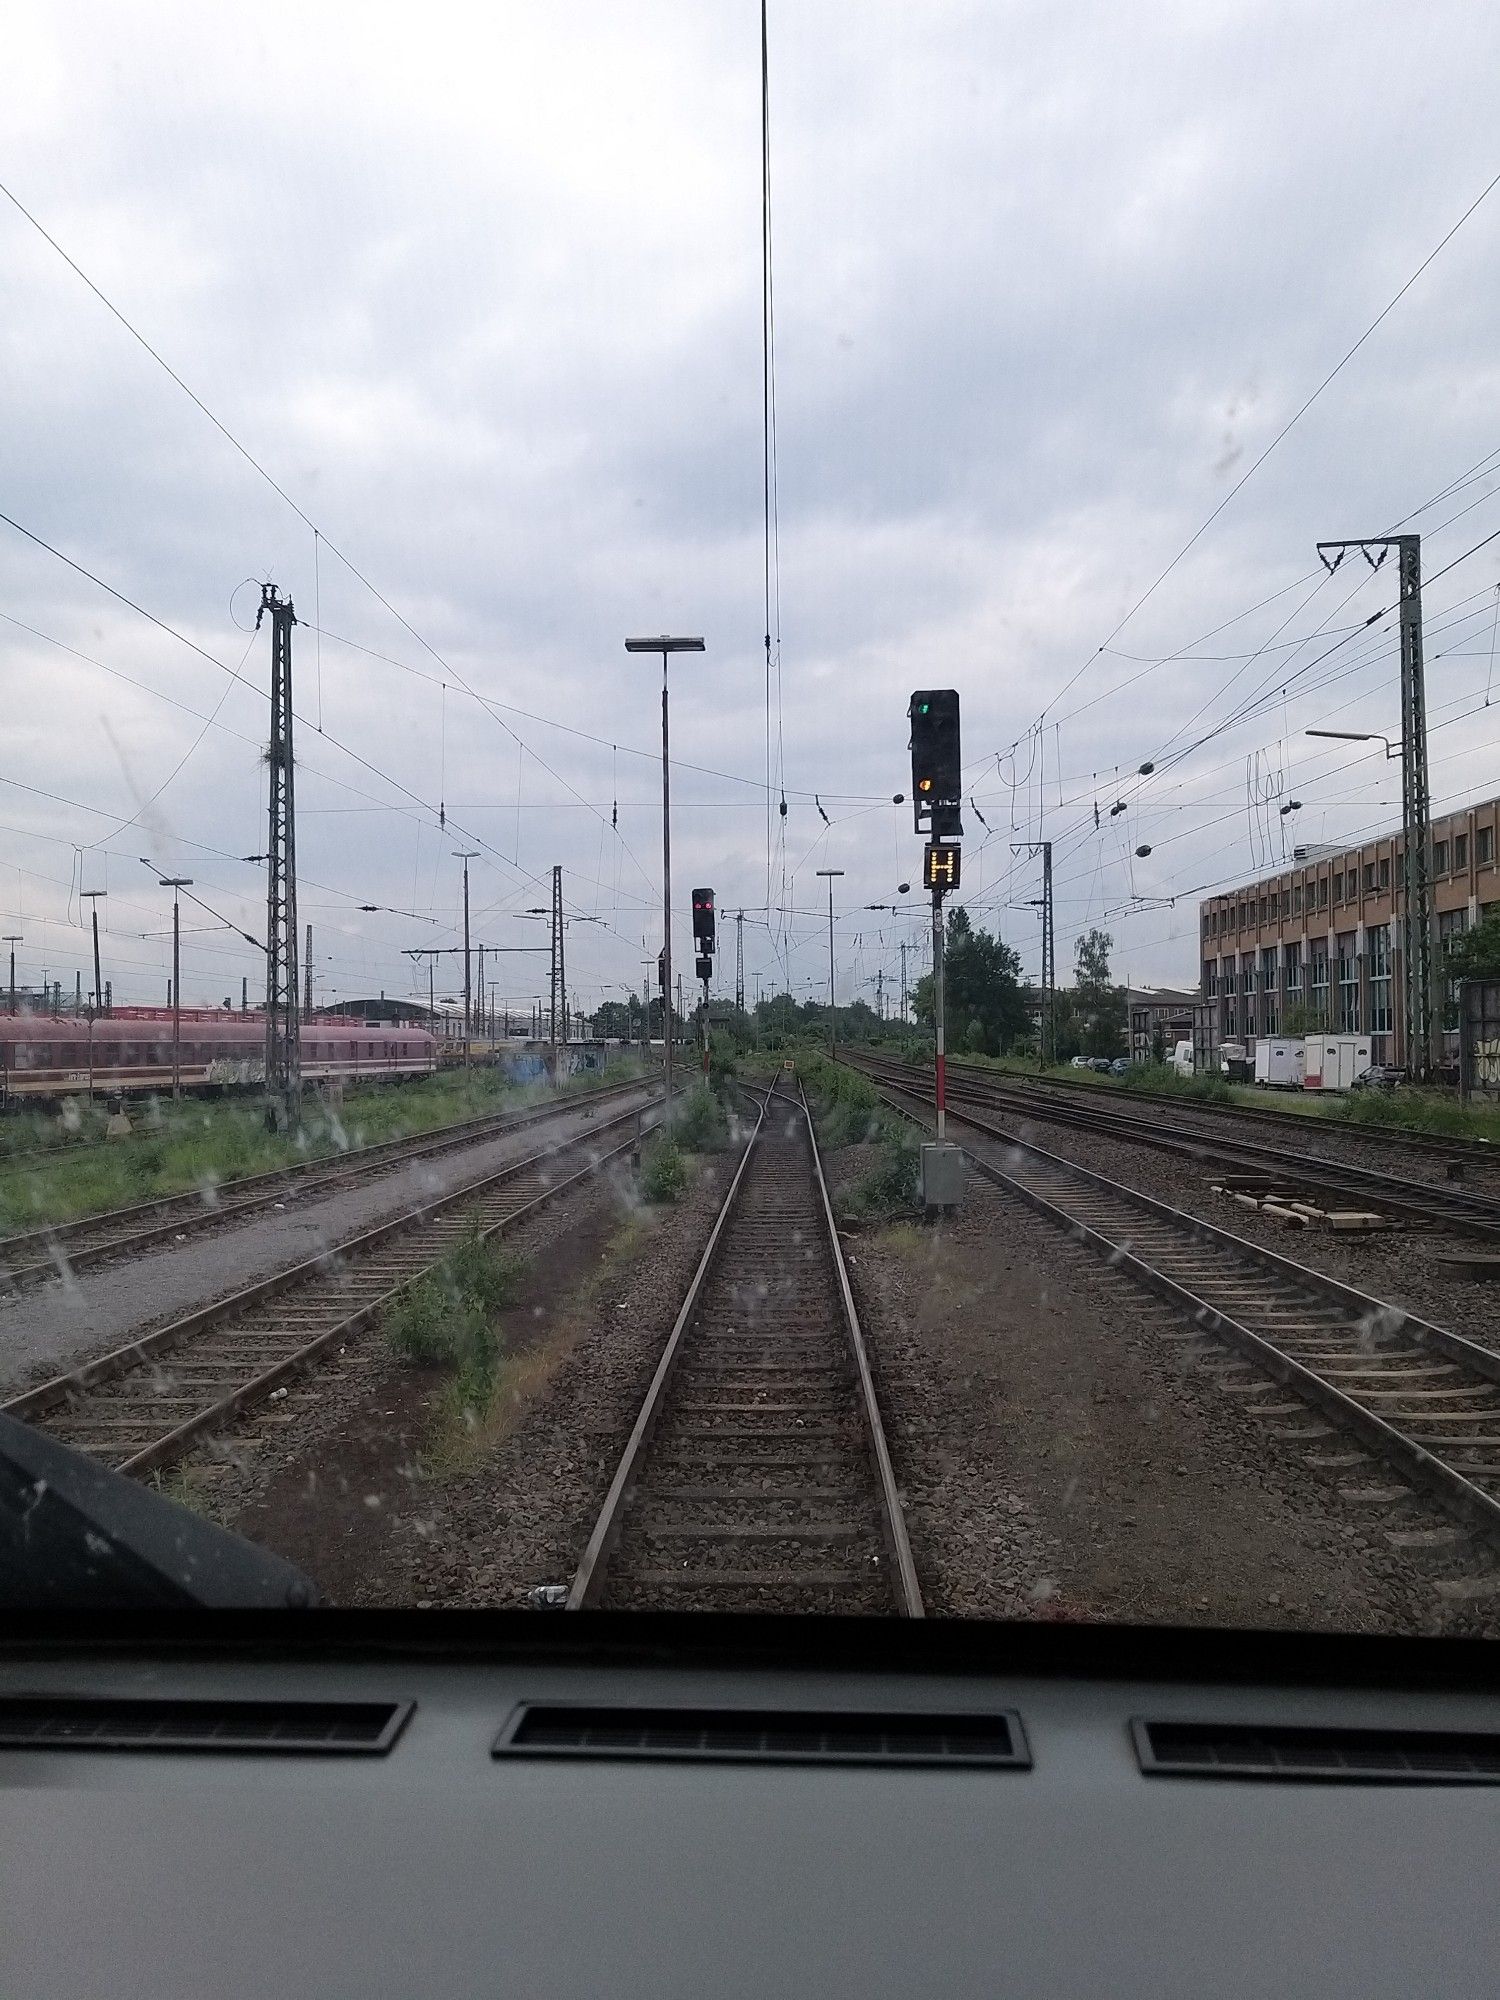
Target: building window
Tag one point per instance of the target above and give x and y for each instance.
(1297, 900)
(1369, 878)
(1378, 943)
(1440, 858)
(1460, 850)
(1348, 985)
(1262, 917)
(1322, 892)
(1338, 887)
(1293, 962)
(1385, 874)
(1484, 846)
(1319, 982)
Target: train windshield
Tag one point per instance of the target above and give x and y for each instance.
(751, 836)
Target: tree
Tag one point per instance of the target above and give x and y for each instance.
(985, 1006)
(1304, 1019)
(1102, 1007)
(1158, 1044)
(1476, 953)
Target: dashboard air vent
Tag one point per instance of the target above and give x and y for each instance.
(763, 1735)
(277, 1728)
(1367, 1756)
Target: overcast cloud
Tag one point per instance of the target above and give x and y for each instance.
(480, 287)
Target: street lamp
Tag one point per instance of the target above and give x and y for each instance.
(94, 897)
(176, 883)
(665, 645)
(1358, 736)
(831, 873)
(466, 855)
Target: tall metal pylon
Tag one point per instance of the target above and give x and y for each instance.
(1421, 975)
(559, 969)
(1048, 1048)
(739, 962)
(283, 1021)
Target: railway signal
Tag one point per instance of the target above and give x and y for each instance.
(941, 867)
(703, 922)
(936, 762)
(937, 795)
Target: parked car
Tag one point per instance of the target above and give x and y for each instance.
(1081, 1062)
(1121, 1066)
(1102, 1064)
(1379, 1076)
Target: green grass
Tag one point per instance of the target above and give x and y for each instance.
(203, 1144)
(889, 1188)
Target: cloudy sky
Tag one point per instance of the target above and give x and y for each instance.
(480, 289)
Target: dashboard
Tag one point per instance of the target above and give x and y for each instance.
(541, 1804)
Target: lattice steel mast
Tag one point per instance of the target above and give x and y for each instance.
(283, 1020)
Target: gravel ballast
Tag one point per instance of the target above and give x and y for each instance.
(1064, 1451)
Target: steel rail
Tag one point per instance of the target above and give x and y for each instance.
(331, 1270)
(893, 1520)
(1478, 1152)
(1438, 1206)
(1369, 1319)
(591, 1580)
(588, 1580)
(186, 1213)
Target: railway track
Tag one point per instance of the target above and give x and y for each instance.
(143, 1405)
(38, 1254)
(757, 1475)
(1482, 1154)
(1421, 1398)
(1443, 1209)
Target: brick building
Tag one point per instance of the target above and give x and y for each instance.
(1159, 1008)
(1325, 933)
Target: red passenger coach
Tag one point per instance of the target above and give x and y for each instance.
(45, 1056)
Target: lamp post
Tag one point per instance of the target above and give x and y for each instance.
(176, 883)
(665, 645)
(466, 855)
(831, 873)
(13, 938)
(94, 897)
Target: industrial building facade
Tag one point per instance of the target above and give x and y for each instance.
(1322, 938)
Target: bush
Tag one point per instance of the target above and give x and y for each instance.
(890, 1186)
(699, 1123)
(850, 1109)
(663, 1174)
(483, 1271)
(416, 1326)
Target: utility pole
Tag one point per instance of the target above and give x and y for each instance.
(307, 977)
(92, 897)
(903, 982)
(880, 994)
(832, 1031)
(739, 962)
(559, 987)
(466, 855)
(13, 938)
(941, 1064)
(176, 883)
(666, 645)
(283, 1036)
(480, 1022)
(1047, 1041)
(1421, 974)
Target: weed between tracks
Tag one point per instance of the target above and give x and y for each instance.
(848, 1112)
(447, 1318)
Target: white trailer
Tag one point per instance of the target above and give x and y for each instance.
(1332, 1062)
(1280, 1062)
